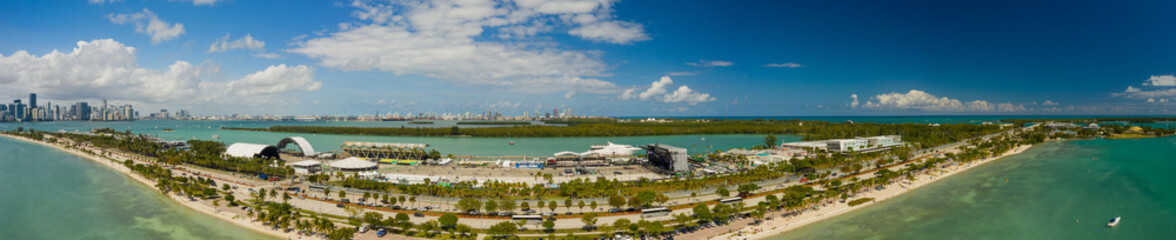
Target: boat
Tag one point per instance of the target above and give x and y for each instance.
(511, 143)
(1114, 222)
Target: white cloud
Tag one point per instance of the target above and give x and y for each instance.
(710, 63)
(445, 40)
(100, 2)
(107, 69)
(784, 65)
(147, 22)
(248, 42)
(275, 79)
(618, 32)
(919, 100)
(657, 91)
(656, 88)
(1161, 81)
(687, 95)
(1049, 103)
(1131, 89)
(854, 103)
(628, 94)
(1009, 107)
(1171, 92)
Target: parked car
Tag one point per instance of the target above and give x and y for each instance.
(418, 214)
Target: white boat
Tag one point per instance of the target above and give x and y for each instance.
(1113, 222)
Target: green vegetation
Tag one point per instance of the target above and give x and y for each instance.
(859, 201)
(922, 134)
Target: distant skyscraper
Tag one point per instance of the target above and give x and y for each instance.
(32, 100)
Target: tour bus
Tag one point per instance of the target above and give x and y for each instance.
(731, 200)
(655, 212)
(531, 219)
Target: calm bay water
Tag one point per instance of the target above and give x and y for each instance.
(49, 194)
(1055, 191)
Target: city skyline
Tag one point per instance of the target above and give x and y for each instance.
(602, 58)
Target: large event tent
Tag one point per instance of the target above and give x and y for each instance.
(353, 164)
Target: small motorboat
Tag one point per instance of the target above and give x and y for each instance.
(511, 143)
(1114, 222)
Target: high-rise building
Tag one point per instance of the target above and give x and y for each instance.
(105, 115)
(19, 112)
(32, 100)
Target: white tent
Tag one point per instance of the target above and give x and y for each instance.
(353, 164)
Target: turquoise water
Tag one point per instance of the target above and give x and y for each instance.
(49, 194)
(1050, 186)
(204, 130)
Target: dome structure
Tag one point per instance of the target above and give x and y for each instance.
(248, 150)
(353, 164)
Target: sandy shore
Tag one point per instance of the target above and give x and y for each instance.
(784, 224)
(243, 221)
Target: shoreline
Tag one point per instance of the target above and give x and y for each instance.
(226, 216)
(782, 225)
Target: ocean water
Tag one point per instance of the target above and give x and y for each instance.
(204, 130)
(49, 194)
(1055, 191)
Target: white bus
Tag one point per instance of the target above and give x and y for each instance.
(655, 212)
(531, 219)
(731, 200)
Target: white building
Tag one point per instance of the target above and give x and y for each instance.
(306, 166)
(847, 145)
(884, 141)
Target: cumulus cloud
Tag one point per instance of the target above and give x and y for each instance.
(100, 2)
(248, 42)
(1131, 89)
(920, 100)
(617, 32)
(710, 63)
(275, 79)
(445, 40)
(657, 91)
(656, 88)
(1161, 81)
(628, 94)
(147, 22)
(854, 103)
(687, 95)
(107, 69)
(1161, 93)
(1049, 103)
(783, 65)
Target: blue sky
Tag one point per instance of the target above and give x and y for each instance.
(598, 57)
